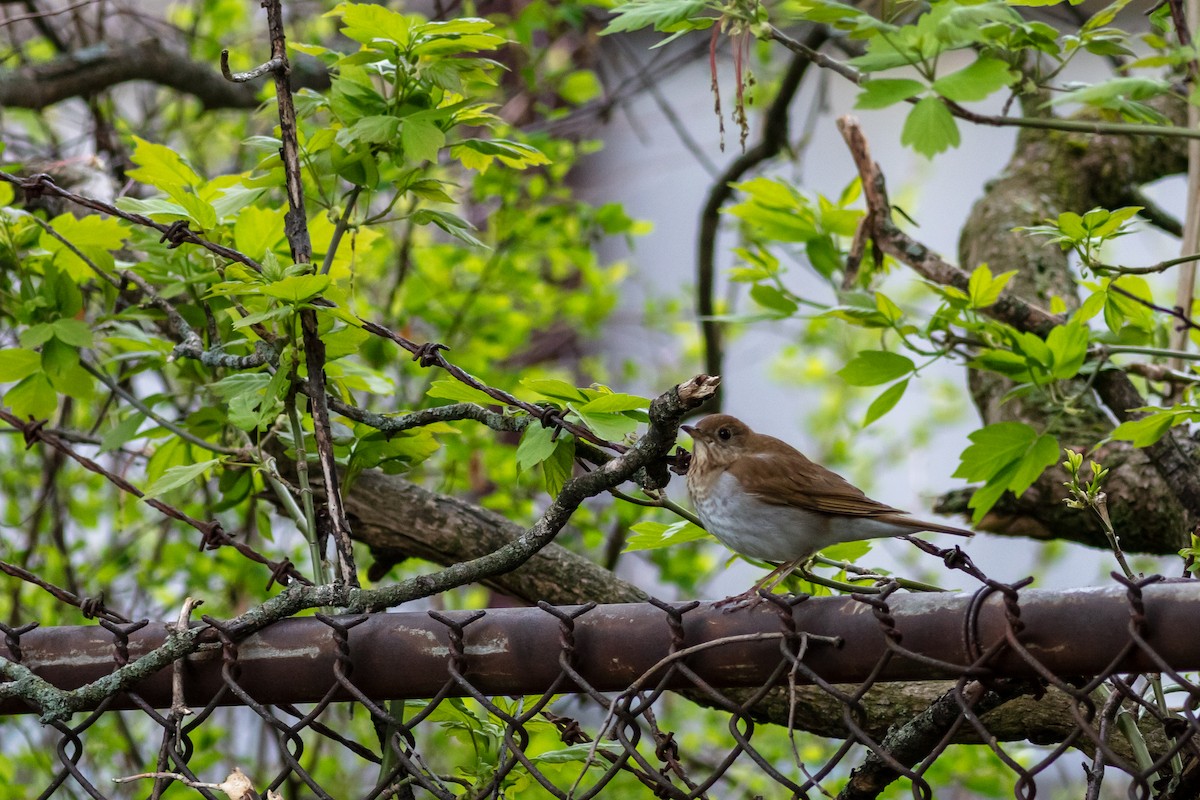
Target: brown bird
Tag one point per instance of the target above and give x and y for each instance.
(763, 499)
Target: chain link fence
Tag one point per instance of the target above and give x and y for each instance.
(587, 701)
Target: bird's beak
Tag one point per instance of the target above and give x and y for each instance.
(690, 431)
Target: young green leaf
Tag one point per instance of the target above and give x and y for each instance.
(653, 535)
(885, 402)
(450, 389)
(977, 81)
(33, 397)
(873, 367)
(17, 362)
(984, 289)
(610, 403)
(421, 139)
(537, 444)
(1147, 430)
(613, 427)
(994, 447)
(1006, 456)
(883, 92)
(297, 289)
(930, 128)
(177, 477)
(1068, 344)
(770, 297)
(557, 469)
(555, 390)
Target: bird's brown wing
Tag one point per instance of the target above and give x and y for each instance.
(788, 478)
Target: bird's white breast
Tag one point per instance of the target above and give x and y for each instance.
(769, 532)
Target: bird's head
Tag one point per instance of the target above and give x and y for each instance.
(719, 439)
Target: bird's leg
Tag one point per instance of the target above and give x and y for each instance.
(751, 596)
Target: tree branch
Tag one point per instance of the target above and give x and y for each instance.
(103, 66)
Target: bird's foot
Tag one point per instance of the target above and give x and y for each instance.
(747, 599)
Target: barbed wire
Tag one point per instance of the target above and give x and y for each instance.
(574, 701)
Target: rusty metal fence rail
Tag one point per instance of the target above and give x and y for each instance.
(579, 701)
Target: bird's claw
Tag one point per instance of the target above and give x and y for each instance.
(748, 599)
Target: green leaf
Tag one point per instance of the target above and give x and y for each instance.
(1115, 94)
(609, 403)
(536, 446)
(480, 153)
(885, 402)
(421, 140)
(975, 82)
(160, 166)
(555, 390)
(1007, 456)
(1034, 348)
(1104, 16)
(580, 86)
(984, 290)
(824, 255)
(394, 454)
(456, 226)
(36, 335)
(373, 129)
(450, 389)
(884, 304)
(199, 211)
(454, 36)
(1147, 430)
(847, 551)
(1041, 454)
(873, 367)
(613, 427)
(1121, 310)
(993, 448)
(1004, 362)
(33, 397)
(883, 92)
(74, 332)
(557, 469)
(17, 363)
(297, 289)
(662, 14)
(94, 236)
(986, 496)
(60, 361)
(654, 535)
(772, 298)
(1068, 344)
(368, 22)
(930, 128)
(243, 394)
(775, 210)
(121, 433)
(177, 477)
(581, 751)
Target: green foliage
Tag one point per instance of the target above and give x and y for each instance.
(653, 535)
(663, 15)
(399, 153)
(1087, 234)
(1005, 456)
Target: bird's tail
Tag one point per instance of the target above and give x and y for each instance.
(919, 525)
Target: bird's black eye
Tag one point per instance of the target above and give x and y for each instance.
(724, 434)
